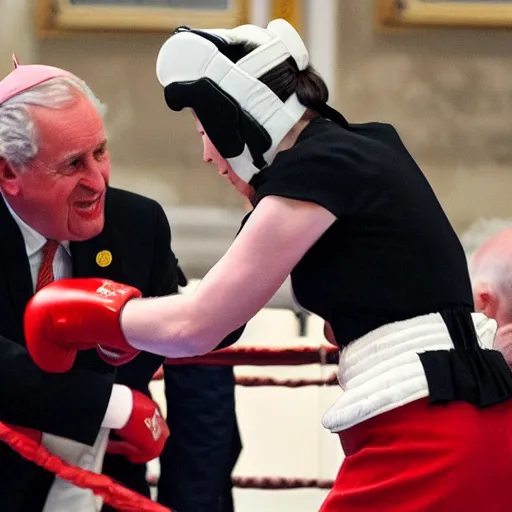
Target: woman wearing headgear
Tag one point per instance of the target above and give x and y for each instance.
(424, 417)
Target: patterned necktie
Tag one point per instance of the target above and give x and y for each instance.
(45, 275)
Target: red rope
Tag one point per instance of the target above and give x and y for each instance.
(122, 499)
(273, 483)
(254, 382)
(252, 356)
(125, 500)
(281, 483)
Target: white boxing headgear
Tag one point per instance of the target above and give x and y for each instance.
(244, 119)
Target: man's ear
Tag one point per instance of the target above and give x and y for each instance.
(486, 299)
(9, 179)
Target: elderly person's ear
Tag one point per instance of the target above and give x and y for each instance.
(486, 299)
(8, 178)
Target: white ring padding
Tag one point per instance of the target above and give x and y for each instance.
(382, 370)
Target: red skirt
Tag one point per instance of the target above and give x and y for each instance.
(423, 458)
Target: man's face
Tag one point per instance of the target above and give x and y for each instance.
(61, 192)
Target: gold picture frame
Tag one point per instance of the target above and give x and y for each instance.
(64, 17)
(400, 14)
(290, 10)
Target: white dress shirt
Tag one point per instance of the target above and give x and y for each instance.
(63, 496)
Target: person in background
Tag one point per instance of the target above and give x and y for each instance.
(59, 218)
(62, 219)
(491, 277)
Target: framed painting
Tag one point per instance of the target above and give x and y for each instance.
(60, 17)
(394, 14)
(290, 10)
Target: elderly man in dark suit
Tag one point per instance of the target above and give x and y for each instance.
(59, 218)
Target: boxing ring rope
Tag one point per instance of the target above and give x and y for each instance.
(115, 495)
(269, 483)
(254, 382)
(258, 356)
(125, 500)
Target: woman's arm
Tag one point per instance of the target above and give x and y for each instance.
(274, 239)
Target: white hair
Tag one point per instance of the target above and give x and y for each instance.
(494, 270)
(491, 258)
(480, 231)
(19, 141)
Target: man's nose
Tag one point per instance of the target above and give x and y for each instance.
(96, 178)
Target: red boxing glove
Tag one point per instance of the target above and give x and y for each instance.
(144, 435)
(76, 314)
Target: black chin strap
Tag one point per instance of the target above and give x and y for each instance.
(330, 113)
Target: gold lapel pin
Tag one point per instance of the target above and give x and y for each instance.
(104, 258)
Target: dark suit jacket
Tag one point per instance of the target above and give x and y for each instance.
(73, 404)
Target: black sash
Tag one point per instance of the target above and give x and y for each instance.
(467, 372)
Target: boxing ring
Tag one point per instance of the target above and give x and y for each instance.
(126, 500)
(257, 356)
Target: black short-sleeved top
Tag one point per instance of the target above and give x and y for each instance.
(392, 253)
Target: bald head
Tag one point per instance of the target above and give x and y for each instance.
(491, 276)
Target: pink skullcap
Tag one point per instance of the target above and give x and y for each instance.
(25, 77)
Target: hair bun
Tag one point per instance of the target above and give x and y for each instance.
(311, 89)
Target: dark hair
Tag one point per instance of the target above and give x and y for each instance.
(286, 79)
